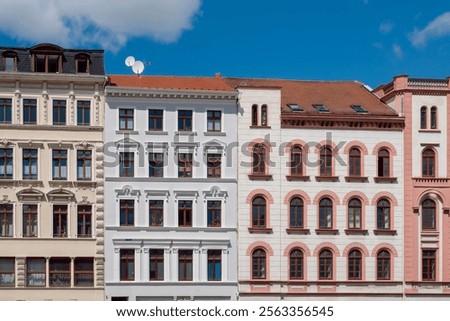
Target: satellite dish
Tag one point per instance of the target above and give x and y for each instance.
(138, 67)
(129, 61)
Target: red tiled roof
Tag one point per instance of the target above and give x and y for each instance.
(337, 96)
(170, 82)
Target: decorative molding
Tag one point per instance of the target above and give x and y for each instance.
(60, 194)
(6, 142)
(127, 143)
(215, 192)
(84, 145)
(60, 144)
(128, 190)
(157, 193)
(185, 194)
(30, 194)
(171, 93)
(29, 144)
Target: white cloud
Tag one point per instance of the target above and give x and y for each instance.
(437, 28)
(397, 51)
(109, 23)
(386, 27)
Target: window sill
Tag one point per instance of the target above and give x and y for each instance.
(30, 182)
(327, 178)
(356, 178)
(126, 131)
(155, 132)
(325, 231)
(211, 133)
(257, 177)
(429, 130)
(260, 230)
(385, 179)
(385, 232)
(297, 230)
(355, 231)
(260, 127)
(186, 133)
(297, 178)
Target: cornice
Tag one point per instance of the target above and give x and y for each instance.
(52, 77)
(170, 93)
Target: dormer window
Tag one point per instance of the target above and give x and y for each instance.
(82, 62)
(47, 58)
(9, 61)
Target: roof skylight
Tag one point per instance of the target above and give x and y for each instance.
(321, 108)
(359, 109)
(295, 107)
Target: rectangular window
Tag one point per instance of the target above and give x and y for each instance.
(214, 165)
(155, 119)
(84, 221)
(428, 265)
(10, 63)
(126, 167)
(214, 265)
(185, 120)
(185, 265)
(59, 272)
(184, 165)
(83, 113)
(30, 111)
(6, 163)
(126, 212)
(156, 265)
(214, 213)
(84, 165)
(126, 265)
(60, 227)
(5, 111)
(214, 121)
(30, 163)
(82, 65)
(126, 119)
(7, 272)
(156, 212)
(59, 166)
(30, 220)
(185, 213)
(59, 112)
(156, 165)
(84, 272)
(36, 272)
(6, 220)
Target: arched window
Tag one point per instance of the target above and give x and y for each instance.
(259, 264)
(296, 265)
(264, 115)
(296, 161)
(428, 163)
(383, 163)
(259, 212)
(296, 213)
(355, 265)
(325, 213)
(255, 115)
(354, 213)
(428, 215)
(259, 159)
(326, 162)
(383, 265)
(354, 162)
(423, 117)
(383, 214)
(325, 265)
(433, 117)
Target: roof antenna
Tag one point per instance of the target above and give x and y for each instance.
(136, 65)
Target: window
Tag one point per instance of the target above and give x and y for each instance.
(259, 159)
(383, 215)
(214, 121)
(156, 165)
(84, 272)
(30, 163)
(354, 213)
(36, 272)
(296, 265)
(325, 213)
(126, 265)
(325, 265)
(259, 212)
(354, 162)
(255, 115)
(296, 213)
(6, 163)
(359, 109)
(184, 165)
(83, 113)
(155, 119)
(264, 115)
(433, 117)
(126, 212)
(7, 272)
(214, 213)
(326, 161)
(30, 111)
(84, 221)
(383, 163)
(214, 165)
(428, 215)
(428, 163)
(10, 61)
(296, 161)
(156, 265)
(84, 165)
(59, 112)
(59, 164)
(355, 265)
(383, 265)
(295, 107)
(46, 62)
(423, 117)
(126, 119)
(428, 265)
(185, 265)
(259, 264)
(156, 212)
(5, 111)
(321, 108)
(6, 220)
(59, 272)
(185, 120)
(60, 228)
(82, 63)
(126, 168)
(30, 220)
(185, 213)
(214, 265)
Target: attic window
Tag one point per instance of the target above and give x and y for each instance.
(321, 108)
(295, 107)
(10, 61)
(82, 63)
(359, 109)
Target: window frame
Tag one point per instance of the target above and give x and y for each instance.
(154, 118)
(259, 264)
(429, 260)
(214, 258)
(127, 264)
(296, 160)
(84, 157)
(384, 163)
(428, 163)
(259, 214)
(185, 167)
(326, 210)
(429, 215)
(31, 217)
(29, 111)
(156, 213)
(11, 272)
(60, 218)
(433, 118)
(125, 115)
(156, 260)
(66, 275)
(353, 211)
(214, 213)
(5, 104)
(42, 272)
(354, 162)
(381, 220)
(32, 158)
(214, 120)
(296, 264)
(326, 161)
(59, 109)
(423, 117)
(185, 265)
(184, 119)
(326, 262)
(296, 216)
(355, 265)
(84, 216)
(7, 162)
(156, 164)
(83, 273)
(383, 265)
(60, 160)
(126, 165)
(127, 212)
(259, 160)
(214, 165)
(83, 110)
(6, 220)
(185, 213)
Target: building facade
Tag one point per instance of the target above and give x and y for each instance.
(170, 189)
(51, 177)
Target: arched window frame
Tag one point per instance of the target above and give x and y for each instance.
(259, 160)
(326, 264)
(296, 213)
(259, 212)
(423, 117)
(433, 118)
(355, 214)
(326, 161)
(428, 163)
(429, 210)
(296, 264)
(384, 163)
(383, 265)
(326, 213)
(355, 264)
(384, 214)
(354, 162)
(259, 264)
(296, 161)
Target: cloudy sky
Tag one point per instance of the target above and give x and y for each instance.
(365, 40)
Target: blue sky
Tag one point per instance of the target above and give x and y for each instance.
(365, 40)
